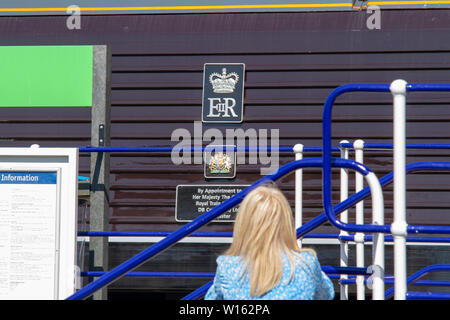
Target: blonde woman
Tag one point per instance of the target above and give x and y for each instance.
(264, 260)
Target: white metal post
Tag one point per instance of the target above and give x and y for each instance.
(298, 150)
(344, 218)
(377, 267)
(358, 145)
(399, 226)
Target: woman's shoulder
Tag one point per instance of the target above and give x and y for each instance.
(224, 260)
(229, 267)
(306, 256)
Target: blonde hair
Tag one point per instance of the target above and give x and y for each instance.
(263, 232)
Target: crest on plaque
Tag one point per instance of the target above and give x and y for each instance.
(220, 162)
(223, 83)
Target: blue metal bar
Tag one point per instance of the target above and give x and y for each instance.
(200, 292)
(437, 283)
(154, 274)
(435, 87)
(200, 221)
(345, 270)
(166, 233)
(326, 269)
(427, 283)
(411, 295)
(416, 276)
(389, 238)
(203, 148)
(379, 145)
(327, 159)
(149, 234)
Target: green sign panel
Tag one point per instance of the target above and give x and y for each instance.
(46, 76)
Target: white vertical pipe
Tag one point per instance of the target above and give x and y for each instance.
(344, 218)
(358, 145)
(298, 150)
(399, 226)
(377, 278)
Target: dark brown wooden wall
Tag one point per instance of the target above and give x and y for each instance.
(293, 61)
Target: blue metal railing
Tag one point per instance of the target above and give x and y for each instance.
(387, 145)
(302, 231)
(399, 89)
(350, 237)
(189, 228)
(327, 159)
(327, 162)
(90, 149)
(348, 203)
(415, 277)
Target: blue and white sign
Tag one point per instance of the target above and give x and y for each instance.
(28, 177)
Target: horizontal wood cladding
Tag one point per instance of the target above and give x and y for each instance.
(240, 33)
(292, 61)
(163, 131)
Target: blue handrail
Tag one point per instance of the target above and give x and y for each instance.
(189, 228)
(327, 159)
(344, 205)
(350, 237)
(89, 149)
(387, 145)
(326, 269)
(416, 276)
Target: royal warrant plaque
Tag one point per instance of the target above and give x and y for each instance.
(195, 200)
(223, 93)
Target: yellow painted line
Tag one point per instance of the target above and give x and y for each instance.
(256, 6)
(218, 7)
(391, 3)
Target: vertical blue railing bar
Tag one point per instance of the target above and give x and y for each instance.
(327, 160)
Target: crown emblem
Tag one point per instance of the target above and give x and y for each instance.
(220, 163)
(223, 83)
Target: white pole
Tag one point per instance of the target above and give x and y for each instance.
(358, 145)
(298, 150)
(399, 226)
(344, 218)
(377, 278)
